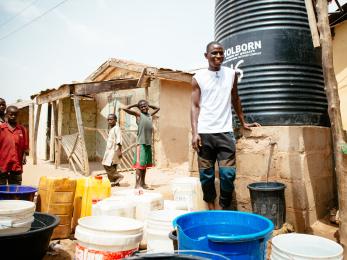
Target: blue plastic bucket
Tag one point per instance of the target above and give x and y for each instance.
(234, 234)
(17, 192)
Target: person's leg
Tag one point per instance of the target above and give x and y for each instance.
(109, 171)
(146, 161)
(3, 178)
(15, 178)
(113, 174)
(206, 161)
(227, 171)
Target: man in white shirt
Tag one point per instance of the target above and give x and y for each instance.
(113, 151)
(214, 90)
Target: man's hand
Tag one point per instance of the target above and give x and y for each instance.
(247, 126)
(196, 142)
(119, 153)
(24, 159)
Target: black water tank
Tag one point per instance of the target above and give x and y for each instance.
(271, 43)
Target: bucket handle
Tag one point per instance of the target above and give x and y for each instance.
(233, 239)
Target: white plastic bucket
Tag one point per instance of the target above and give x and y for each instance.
(158, 227)
(16, 216)
(145, 202)
(296, 246)
(188, 189)
(114, 207)
(175, 205)
(107, 237)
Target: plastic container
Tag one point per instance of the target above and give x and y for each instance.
(16, 216)
(188, 189)
(88, 190)
(145, 202)
(56, 196)
(17, 192)
(158, 226)
(267, 199)
(107, 237)
(233, 234)
(114, 207)
(32, 244)
(175, 205)
(304, 247)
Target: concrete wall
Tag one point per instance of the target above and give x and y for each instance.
(340, 66)
(88, 110)
(301, 159)
(174, 122)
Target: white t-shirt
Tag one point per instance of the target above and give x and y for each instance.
(114, 138)
(215, 101)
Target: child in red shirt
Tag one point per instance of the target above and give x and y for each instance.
(14, 147)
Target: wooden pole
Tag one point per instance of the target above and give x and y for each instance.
(52, 134)
(31, 128)
(59, 134)
(37, 122)
(331, 90)
(312, 23)
(81, 134)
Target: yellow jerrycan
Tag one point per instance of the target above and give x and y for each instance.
(89, 190)
(56, 196)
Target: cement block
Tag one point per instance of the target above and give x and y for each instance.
(255, 164)
(318, 164)
(298, 218)
(296, 195)
(289, 166)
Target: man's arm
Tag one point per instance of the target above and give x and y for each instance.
(119, 142)
(129, 110)
(194, 114)
(155, 109)
(235, 100)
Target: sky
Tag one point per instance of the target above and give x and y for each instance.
(73, 39)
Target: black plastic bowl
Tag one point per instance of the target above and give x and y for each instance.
(32, 244)
(17, 192)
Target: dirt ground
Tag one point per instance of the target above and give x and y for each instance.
(157, 179)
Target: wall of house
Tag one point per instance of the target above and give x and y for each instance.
(41, 148)
(88, 110)
(23, 117)
(340, 66)
(174, 122)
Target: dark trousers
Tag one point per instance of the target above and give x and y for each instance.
(112, 174)
(10, 178)
(218, 147)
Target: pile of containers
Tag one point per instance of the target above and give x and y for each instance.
(107, 237)
(16, 216)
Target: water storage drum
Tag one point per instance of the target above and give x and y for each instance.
(269, 41)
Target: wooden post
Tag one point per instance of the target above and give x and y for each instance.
(59, 133)
(31, 128)
(37, 122)
(339, 141)
(146, 93)
(312, 23)
(53, 131)
(81, 133)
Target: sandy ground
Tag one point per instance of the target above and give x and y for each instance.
(157, 179)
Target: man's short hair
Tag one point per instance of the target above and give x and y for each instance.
(141, 101)
(1, 99)
(212, 43)
(113, 115)
(11, 108)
